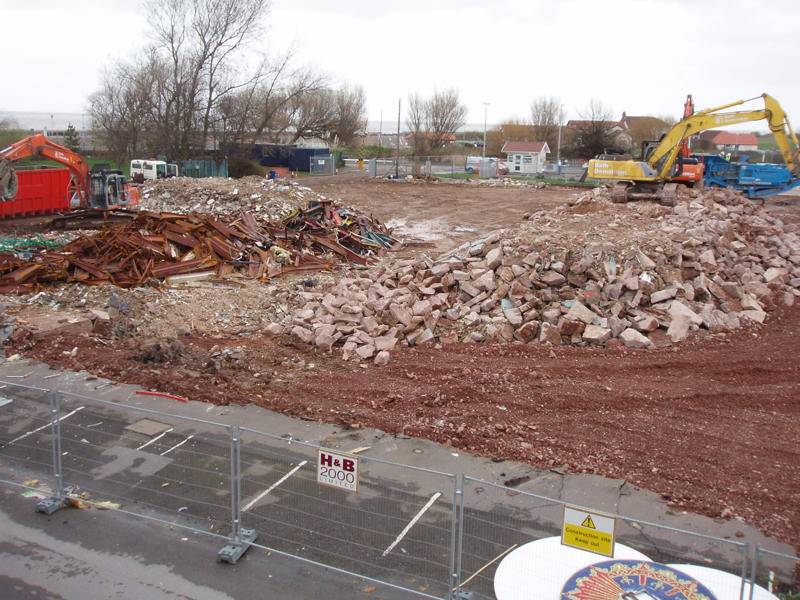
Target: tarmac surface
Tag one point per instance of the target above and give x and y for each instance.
(177, 475)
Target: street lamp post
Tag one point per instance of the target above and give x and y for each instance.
(483, 157)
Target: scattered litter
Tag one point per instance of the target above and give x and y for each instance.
(183, 508)
(30, 483)
(4, 401)
(106, 505)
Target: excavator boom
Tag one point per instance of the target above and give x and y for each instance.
(39, 145)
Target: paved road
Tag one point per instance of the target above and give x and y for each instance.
(97, 555)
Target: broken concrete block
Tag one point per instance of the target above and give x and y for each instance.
(580, 313)
(553, 278)
(679, 328)
(402, 314)
(633, 339)
(645, 324)
(494, 258)
(274, 329)
(758, 316)
(596, 335)
(528, 331)
(775, 274)
(677, 308)
(665, 294)
(366, 351)
(485, 282)
(421, 308)
(302, 334)
(549, 334)
(513, 315)
(645, 261)
(382, 358)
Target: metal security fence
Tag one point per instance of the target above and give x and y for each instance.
(429, 533)
(776, 573)
(397, 529)
(496, 521)
(322, 165)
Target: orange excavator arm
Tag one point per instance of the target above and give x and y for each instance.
(39, 145)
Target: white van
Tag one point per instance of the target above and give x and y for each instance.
(152, 169)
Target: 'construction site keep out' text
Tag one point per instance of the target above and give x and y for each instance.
(337, 470)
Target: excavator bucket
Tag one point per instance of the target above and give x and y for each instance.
(8, 181)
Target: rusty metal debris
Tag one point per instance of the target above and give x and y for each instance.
(164, 246)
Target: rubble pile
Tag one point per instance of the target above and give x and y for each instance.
(594, 273)
(179, 248)
(269, 199)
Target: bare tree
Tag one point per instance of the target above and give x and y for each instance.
(10, 131)
(416, 119)
(351, 114)
(595, 133)
(547, 114)
(446, 115)
(197, 43)
(433, 120)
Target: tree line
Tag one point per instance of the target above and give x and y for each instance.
(200, 83)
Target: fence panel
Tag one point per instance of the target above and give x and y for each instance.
(153, 464)
(396, 529)
(26, 436)
(776, 573)
(499, 524)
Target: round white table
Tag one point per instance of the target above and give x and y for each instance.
(725, 586)
(539, 569)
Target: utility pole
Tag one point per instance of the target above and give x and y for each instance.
(558, 149)
(380, 131)
(483, 157)
(397, 161)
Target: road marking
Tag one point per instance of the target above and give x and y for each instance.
(24, 435)
(253, 502)
(411, 523)
(178, 445)
(155, 439)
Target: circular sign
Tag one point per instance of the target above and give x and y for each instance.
(633, 580)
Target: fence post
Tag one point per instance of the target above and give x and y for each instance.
(754, 570)
(745, 555)
(58, 500)
(241, 539)
(456, 541)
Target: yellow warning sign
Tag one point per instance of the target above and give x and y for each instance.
(587, 522)
(592, 532)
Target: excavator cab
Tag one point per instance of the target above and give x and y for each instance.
(107, 189)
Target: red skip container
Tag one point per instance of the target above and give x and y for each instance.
(41, 192)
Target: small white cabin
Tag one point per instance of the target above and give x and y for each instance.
(525, 158)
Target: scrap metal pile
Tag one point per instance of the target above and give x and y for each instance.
(175, 248)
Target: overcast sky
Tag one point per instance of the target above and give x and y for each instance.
(639, 56)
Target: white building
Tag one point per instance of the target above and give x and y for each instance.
(525, 158)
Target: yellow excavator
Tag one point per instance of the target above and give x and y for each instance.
(652, 178)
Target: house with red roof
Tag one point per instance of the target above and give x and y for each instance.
(525, 158)
(729, 141)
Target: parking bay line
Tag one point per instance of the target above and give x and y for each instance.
(411, 523)
(24, 435)
(255, 500)
(155, 439)
(178, 445)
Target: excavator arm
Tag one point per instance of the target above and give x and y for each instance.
(39, 145)
(670, 145)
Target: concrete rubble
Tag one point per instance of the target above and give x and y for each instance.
(594, 273)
